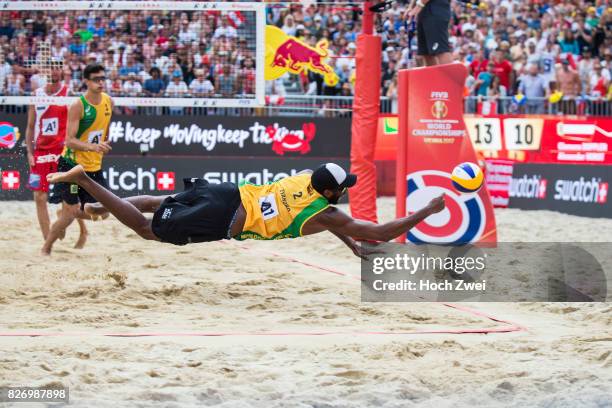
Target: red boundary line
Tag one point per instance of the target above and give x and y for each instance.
(507, 326)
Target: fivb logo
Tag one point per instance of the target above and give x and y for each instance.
(593, 191)
(528, 187)
(462, 221)
(140, 180)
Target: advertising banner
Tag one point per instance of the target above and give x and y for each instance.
(528, 139)
(498, 174)
(151, 154)
(231, 136)
(223, 135)
(543, 139)
(432, 140)
(572, 189)
(129, 176)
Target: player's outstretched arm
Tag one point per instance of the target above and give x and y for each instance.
(339, 222)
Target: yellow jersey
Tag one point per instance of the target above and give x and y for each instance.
(93, 127)
(280, 209)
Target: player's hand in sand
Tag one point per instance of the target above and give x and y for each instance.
(364, 252)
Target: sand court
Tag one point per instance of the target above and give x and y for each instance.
(295, 332)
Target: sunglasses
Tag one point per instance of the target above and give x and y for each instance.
(98, 79)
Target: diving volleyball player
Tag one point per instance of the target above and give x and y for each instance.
(288, 208)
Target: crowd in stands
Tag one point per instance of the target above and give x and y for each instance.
(172, 54)
(529, 50)
(534, 50)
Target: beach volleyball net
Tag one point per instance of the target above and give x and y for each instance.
(155, 53)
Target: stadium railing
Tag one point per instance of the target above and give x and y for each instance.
(341, 106)
(575, 106)
(290, 105)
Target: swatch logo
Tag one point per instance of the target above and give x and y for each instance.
(528, 187)
(586, 191)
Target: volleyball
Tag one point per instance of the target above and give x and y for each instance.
(467, 177)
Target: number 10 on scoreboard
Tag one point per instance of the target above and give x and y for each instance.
(523, 133)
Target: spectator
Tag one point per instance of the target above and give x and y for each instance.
(14, 84)
(225, 84)
(76, 46)
(201, 87)
(484, 79)
(6, 28)
(132, 67)
(585, 68)
(503, 69)
(479, 64)
(569, 84)
(97, 29)
(568, 80)
(534, 87)
(154, 86)
(186, 35)
(247, 77)
(83, 32)
(547, 61)
(177, 88)
(132, 87)
(289, 26)
(568, 43)
(599, 81)
(148, 48)
(39, 27)
(392, 93)
(225, 29)
(58, 50)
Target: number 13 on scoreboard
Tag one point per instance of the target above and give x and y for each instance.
(485, 133)
(523, 133)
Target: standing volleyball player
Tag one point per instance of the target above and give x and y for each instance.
(86, 143)
(45, 135)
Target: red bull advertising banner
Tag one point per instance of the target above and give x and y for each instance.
(433, 139)
(288, 54)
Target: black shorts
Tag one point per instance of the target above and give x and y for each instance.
(204, 212)
(72, 193)
(432, 28)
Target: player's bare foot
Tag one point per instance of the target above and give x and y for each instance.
(96, 211)
(80, 244)
(71, 176)
(45, 251)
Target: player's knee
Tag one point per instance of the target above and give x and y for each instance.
(40, 197)
(145, 231)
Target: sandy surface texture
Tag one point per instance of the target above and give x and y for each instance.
(298, 334)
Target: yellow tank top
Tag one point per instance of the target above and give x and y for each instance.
(92, 129)
(279, 210)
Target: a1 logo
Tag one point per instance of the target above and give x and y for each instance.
(95, 137)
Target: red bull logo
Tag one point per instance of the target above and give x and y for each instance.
(9, 135)
(288, 54)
